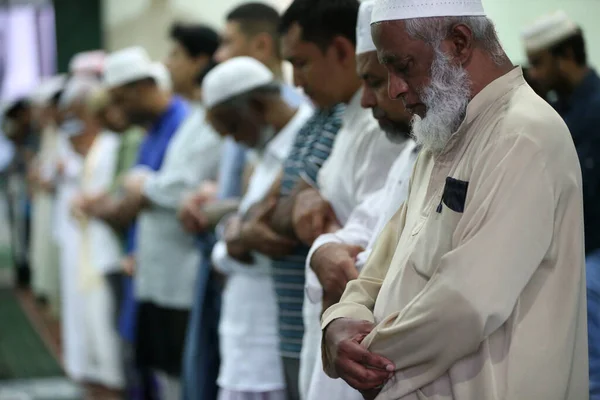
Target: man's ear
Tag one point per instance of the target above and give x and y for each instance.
(263, 45)
(344, 51)
(462, 43)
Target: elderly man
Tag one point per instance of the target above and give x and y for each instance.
(486, 255)
(337, 256)
(244, 101)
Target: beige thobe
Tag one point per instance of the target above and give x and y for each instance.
(477, 290)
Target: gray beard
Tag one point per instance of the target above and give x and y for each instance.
(446, 99)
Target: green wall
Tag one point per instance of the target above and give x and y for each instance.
(78, 28)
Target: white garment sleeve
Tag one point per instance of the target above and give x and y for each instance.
(191, 159)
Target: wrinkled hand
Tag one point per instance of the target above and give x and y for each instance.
(257, 234)
(335, 266)
(190, 213)
(312, 216)
(134, 182)
(361, 369)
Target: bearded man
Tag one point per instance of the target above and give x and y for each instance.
(476, 288)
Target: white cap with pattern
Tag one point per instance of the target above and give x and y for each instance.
(364, 40)
(394, 10)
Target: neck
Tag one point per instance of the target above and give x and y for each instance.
(485, 71)
(190, 93)
(279, 114)
(353, 85)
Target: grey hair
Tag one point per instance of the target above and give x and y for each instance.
(434, 30)
(242, 100)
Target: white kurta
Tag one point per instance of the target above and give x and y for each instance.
(357, 167)
(99, 253)
(248, 330)
(43, 247)
(65, 233)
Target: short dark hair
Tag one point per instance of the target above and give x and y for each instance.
(196, 39)
(322, 20)
(255, 18)
(575, 44)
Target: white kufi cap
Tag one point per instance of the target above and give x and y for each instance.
(364, 40)
(232, 78)
(394, 10)
(548, 31)
(77, 89)
(49, 88)
(133, 64)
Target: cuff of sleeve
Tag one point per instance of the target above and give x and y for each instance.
(308, 180)
(346, 310)
(313, 288)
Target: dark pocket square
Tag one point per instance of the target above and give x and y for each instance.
(455, 195)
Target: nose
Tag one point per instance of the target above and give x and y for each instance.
(220, 55)
(368, 99)
(397, 87)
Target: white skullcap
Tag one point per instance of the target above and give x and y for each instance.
(364, 40)
(162, 76)
(88, 62)
(234, 77)
(77, 88)
(48, 89)
(393, 10)
(133, 64)
(548, 31)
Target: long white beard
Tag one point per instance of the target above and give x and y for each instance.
(446, 99)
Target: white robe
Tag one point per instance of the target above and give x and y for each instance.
(43, 247)
(65, 234)
(99, 253)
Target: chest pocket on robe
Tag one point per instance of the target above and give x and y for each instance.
(435, 238)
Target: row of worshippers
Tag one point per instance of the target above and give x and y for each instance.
(462, 278)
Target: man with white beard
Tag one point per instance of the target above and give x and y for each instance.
(476, 288)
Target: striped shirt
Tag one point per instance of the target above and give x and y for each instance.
(310, 150)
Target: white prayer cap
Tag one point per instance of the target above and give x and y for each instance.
(133, 64)
(234, 77)
(548, 31)
(48, 89)
(88, 62)
(77, 88)
(364, 40)
(162, 76)
(393, 10)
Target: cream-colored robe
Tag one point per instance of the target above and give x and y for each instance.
(486, 302)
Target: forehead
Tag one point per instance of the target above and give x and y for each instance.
(232, 30)
(291, 41)
(367, 65)
(393, 42)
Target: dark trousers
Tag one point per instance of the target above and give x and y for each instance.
(291, 370)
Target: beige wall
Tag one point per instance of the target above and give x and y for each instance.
(146, 22)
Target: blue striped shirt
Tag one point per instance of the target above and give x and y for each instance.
(310, 150)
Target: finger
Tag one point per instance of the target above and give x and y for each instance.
(354, 251)
(354, 351)
(362, 377)
(317, 225)
(350, 271)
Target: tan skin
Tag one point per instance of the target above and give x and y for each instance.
(550, 72)
(260, 46)
(184, 70)
(335, 263)
(408, 62)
